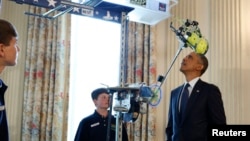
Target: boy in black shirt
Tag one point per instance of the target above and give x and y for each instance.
(94, 127)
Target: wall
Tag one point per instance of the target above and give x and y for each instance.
(14, 76)
(225, 24)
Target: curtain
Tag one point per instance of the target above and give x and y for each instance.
(138, 65)
(45, 105)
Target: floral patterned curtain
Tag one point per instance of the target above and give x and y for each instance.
(138, 64)
(46, 78)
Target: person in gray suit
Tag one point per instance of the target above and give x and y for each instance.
(204, 107)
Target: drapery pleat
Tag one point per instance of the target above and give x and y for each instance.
(46, 78)
(138, 65)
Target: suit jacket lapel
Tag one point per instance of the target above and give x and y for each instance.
(178, 102)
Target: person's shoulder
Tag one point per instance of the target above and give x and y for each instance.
(88, 118)
(212, 85)
(209, 87)
(86, 122)
(177, 88)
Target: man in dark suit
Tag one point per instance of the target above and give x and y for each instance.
(204, 106)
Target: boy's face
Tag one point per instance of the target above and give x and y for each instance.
(102, 101)
(9, 53)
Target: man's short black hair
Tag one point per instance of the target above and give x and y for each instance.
(204, 62)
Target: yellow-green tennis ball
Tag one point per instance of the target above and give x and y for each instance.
(202, 46)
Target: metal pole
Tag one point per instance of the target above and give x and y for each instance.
(117, 126)
(109, 116)
(181, 46)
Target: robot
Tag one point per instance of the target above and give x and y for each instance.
(189, 33)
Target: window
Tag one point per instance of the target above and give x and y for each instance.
(95, 58)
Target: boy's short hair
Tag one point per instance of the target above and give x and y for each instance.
(7, 31)
(97, 92)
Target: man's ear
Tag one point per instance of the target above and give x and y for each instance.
(1, 50)
(95, 101)
(200, 67)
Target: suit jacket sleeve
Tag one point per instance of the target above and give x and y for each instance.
(216, 111)
(169, 129)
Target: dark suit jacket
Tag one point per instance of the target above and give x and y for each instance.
(204, 108)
